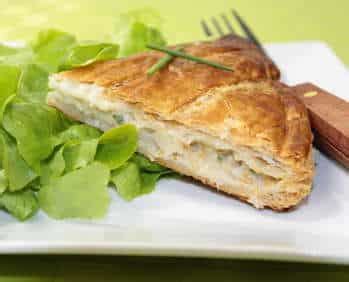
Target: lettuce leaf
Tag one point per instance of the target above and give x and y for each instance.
(127, 180)
(51, 47)
(79, 194)
(55, 50)
(117, 145)
(21, 204)
(53, 167)
(16, 56)
(79, 132)
(88, 53)
(146, 164)
(17, 171)
(6, 51)
(33, 84)
(9, 76)
(135, 29)
(3, 181)
(131, 182)
(80, 145)
(34, 127)
(149, 180)
(23, 57)
(79, 154)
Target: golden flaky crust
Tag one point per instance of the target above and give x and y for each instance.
(263, 115)
(182, 81)
(246, 107)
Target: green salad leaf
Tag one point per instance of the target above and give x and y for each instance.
(87, 53)
(52, 167)
(79, 154)
(146, 164)
(3, 181)
(33, 84)
(21, 204)
(79, 194)
(131, 181)
(34, 126)
(149, 181)
(127, 181)
(6, 50)
(21, 58)
(79, 132)
(137, 28)
(35, 185)
(17, 171)
(117, 145)
(51, 47)
(9, 76)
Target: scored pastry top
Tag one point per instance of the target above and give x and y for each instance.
(247, 106)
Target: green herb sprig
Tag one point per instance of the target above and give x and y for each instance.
(180, 54)
(161, 63)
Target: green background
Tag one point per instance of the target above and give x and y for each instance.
(272, 20)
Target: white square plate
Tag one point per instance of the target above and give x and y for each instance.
(184, 219)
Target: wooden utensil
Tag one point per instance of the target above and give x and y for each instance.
(329, 117)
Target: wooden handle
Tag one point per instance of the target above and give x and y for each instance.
(329, 117)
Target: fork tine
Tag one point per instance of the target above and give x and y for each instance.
(205, 28)
(248, 32)
(228, 24)
(217, 26)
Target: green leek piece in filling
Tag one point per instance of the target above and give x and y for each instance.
(119, 119)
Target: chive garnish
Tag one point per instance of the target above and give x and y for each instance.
(177, 53)
(161, 63)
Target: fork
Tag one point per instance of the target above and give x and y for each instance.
(229, 27)
(330, 127)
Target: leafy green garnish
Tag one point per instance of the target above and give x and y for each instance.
(131, 182)
(20, 58)
(3, 181)
(79, 154)
(117, 145)
(33, 84)
(34, 127)
(127, 181)
(9, 76)
(85, 54)
(79, 194)
(79, 132)
(149, 180)
(146, 164)
(21, 204)
(17, 171)
(53, 167)
(51, 48)
(6, 50)
(137, 28)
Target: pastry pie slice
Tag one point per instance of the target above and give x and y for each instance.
(242, 132)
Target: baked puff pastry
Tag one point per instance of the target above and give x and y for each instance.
(242, 132)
